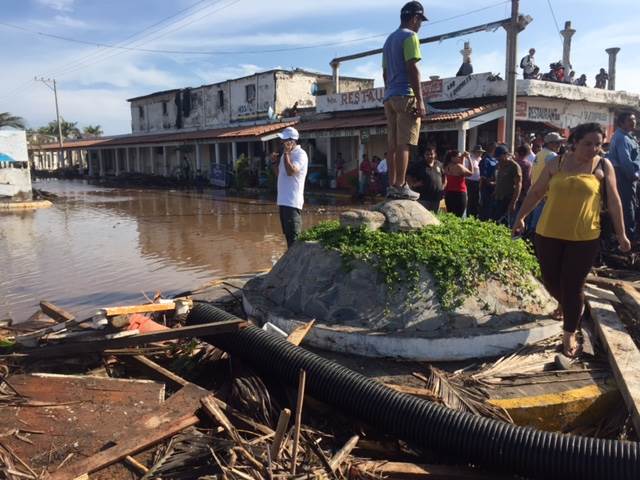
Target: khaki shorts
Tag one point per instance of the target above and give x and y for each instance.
(403, 127)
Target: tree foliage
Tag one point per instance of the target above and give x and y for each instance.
(69, 129)
(8, 120)
(92, 131)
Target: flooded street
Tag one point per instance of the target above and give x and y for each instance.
(98, 246)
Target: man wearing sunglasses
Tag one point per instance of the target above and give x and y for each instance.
(291, 169)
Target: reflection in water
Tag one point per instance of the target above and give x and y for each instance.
(99, 247)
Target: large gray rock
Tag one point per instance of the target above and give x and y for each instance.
(362, 218)
(312, 281)
(405, 216)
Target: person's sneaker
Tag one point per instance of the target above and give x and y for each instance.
(405, 193)
(392, 192)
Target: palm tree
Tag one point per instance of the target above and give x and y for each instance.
(92, 131)
(8, 120)
(69, 129)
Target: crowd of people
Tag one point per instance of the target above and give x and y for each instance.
(557, 73)
(557, 191)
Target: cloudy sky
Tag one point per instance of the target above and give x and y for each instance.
(240, 37)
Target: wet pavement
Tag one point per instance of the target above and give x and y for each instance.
(99, 246)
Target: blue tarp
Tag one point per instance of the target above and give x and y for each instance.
(7, 158)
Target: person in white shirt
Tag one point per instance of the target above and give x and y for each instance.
(291, 170)
(528, 65)
(383, 174)
(472, 162)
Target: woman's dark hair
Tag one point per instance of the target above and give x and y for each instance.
(448, 158)
(584, 129)
(523, 150)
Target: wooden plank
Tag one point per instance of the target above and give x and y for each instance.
(76, 348)
(213, 410)
(57, 313)
(146, 308)
(630, 298)
(401, 470)
(609, 282)
(177, 414)
(87, 411)
(343, 453)
(297, 336)
(156, 371)
(624, 356)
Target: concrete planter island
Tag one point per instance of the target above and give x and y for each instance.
(357, 313)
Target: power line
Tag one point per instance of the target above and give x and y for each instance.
(65, 68)
(555, 20)
(225, 52)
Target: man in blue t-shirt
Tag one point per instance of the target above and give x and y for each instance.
(624, 154)
(403, 103)
(488, 166)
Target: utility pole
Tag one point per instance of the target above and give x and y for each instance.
(512, 52)
(51, 83)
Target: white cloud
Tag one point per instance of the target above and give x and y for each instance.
(60, 5)
(67, 21)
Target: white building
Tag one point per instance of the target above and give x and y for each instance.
(182, 131)
(15, 175)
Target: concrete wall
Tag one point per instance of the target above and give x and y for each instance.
(262, 91)
(243, 99)
(14, 181)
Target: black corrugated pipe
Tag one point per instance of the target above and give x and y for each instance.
(473, 439)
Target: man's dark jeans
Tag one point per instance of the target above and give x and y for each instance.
(291, 221)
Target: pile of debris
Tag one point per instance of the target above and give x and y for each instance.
(82, 397)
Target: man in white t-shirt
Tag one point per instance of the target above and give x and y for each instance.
(292, 172)
(383, 174)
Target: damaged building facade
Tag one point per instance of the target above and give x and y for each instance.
(208, 129)
(200, 131)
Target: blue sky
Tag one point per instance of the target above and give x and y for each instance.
(94, 82)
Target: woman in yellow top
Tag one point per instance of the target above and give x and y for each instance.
(568, 234)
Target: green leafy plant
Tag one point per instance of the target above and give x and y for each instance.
(459, 254)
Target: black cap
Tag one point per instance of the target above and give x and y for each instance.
(413, 8)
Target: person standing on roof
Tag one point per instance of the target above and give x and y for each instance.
(291, 169)
(403, 103)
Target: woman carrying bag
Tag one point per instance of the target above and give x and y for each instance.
(567, 236)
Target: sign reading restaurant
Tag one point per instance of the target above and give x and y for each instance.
(439, 90)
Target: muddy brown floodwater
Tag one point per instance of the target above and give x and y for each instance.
(98, 246)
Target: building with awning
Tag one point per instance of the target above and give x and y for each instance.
(164, 153)
(461, 112)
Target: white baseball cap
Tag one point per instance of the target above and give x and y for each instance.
(289, 133)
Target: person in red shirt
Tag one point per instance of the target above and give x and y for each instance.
(455, 191)
(366, 169)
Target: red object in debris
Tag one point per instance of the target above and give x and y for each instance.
(144, 324)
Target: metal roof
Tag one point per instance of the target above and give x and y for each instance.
(251, 132)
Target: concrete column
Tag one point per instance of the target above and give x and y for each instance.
(117, 161)
(462, 138)
(613, 54)
(335, 66)
(362, 149)
(502, 130)
(329, 153)
(466, 53)
(127, 159)
(234, 153)
(165, 161)
(198, 159)
(152, 160)
(473, 137)
(178, 158)
(100, 164)
(217, 153)
(567, 33)
(90, 164)
(138, 160)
